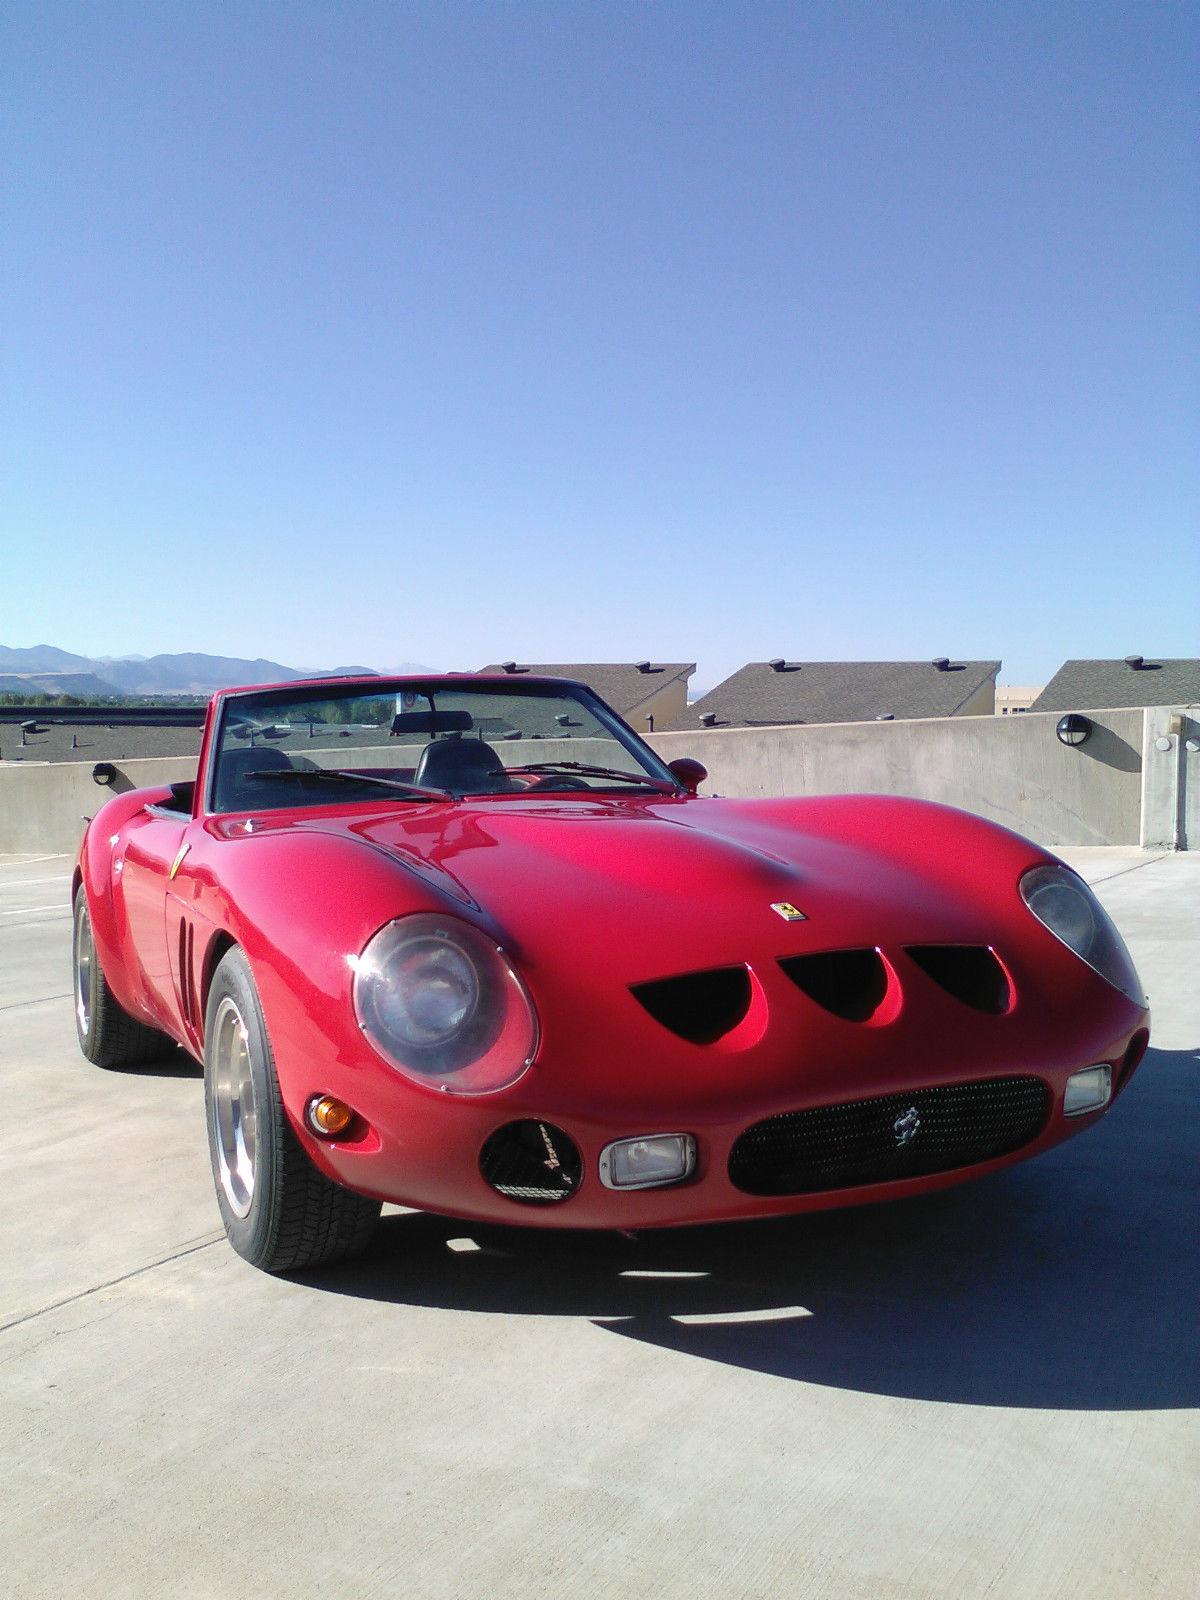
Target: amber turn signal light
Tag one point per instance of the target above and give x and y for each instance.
(329, 1117)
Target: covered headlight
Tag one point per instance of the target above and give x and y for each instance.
(443, 1004)
(1061, 900)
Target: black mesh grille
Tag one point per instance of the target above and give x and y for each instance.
(700, 1006)
(894, 1136)
(533, 1162)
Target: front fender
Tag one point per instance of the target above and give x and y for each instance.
(301, 905)
(93, 869)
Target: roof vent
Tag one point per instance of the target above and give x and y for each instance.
(644, 666)
(1135, 662)
(508, 666)
(708, 719)
(942, 663)
(780, 665)
(886, 716)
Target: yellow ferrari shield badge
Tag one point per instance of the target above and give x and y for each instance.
(788, 911)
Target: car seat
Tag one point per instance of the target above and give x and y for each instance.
(463, 766)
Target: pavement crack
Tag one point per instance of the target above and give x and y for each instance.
(1136, 867)
(110, 1283)
(20, 1005)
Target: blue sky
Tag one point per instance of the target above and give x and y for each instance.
(460, 332)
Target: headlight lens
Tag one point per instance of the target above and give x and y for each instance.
(1061, 900)
(444, 1005)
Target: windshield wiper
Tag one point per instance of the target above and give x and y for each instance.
(333, 775)
(593, 772)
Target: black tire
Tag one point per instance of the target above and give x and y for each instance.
(108, 1035)
(288, 1216)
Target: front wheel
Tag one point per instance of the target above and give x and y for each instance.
(108, 1035)
(279, 1212)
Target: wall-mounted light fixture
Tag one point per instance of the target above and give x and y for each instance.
(1073, 728)
(104, 773)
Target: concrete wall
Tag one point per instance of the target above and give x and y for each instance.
(1011, 769)
(1171, 779)
(42, 807)
(1118, 788)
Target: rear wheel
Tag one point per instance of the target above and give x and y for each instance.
(280, 1213)
(108, 1035)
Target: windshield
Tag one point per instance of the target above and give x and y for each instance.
(412, 742)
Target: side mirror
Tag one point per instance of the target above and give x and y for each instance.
(691, 774)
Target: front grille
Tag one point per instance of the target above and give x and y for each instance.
(890, 1137)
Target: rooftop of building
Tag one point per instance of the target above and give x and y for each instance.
(771, 693)
(624, 685)
(1105, 685)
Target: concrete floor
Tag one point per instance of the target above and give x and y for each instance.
(991, 1392)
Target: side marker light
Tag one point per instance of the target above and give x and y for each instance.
(328, 1117)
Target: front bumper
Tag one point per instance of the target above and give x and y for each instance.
(433, 1163)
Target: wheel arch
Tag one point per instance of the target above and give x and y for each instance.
(219, 946)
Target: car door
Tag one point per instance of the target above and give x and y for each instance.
(143, 868)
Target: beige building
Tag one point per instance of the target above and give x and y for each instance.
(1012, 697)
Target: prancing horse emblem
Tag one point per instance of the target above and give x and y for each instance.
(789, 912)
(905, 1127)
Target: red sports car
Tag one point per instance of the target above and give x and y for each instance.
(467, 944)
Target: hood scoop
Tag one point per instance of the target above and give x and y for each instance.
(971, 973)
(851, 983)
(701, 1007)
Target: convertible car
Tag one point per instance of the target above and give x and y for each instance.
(466, 943)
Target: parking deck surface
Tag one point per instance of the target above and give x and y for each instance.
(988, 1392)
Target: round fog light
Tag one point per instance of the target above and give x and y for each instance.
(329, 1117)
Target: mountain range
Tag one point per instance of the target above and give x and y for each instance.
(46, 669)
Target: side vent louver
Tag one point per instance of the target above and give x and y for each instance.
(850, 983)
(700, 1006)
(970, 973)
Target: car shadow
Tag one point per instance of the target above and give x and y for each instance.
(173, 1063)
(1071, 1281)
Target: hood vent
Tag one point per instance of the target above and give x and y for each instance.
(700, 1006)
(850, 983)
(971, 973)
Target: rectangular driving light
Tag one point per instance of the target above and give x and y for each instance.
(1087, 1091)
(648, 1162)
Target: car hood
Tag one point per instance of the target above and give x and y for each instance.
(663, 884)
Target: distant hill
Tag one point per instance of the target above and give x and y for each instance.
(42, 658)
(79, 683)
(46, 669)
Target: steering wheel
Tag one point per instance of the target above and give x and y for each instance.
(551, 782)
